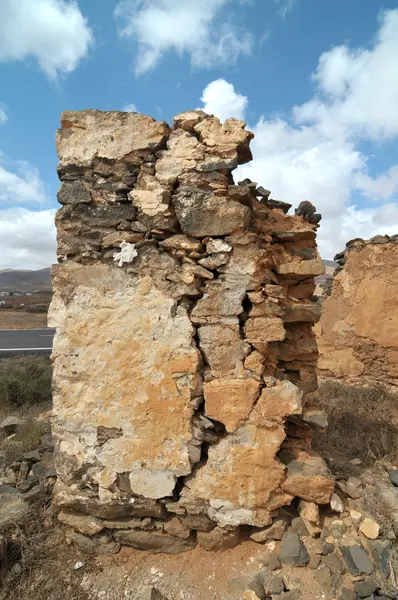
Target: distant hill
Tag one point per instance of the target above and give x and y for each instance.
(12, 280)
(329, 263)
(321, 280)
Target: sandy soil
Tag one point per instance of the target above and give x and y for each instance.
(11, 319)
(195, 575)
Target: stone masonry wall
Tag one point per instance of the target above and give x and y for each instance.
(358, 332)
(184, 360)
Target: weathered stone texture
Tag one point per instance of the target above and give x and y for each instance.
(184, 338)
(358, 331)
(156, 343)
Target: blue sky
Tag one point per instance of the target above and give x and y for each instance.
(316, 81)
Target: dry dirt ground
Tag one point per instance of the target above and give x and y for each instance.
(195, 575)
(198, 575)
(12, 319)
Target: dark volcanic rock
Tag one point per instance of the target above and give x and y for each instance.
(364, 589)
(357, 560)
(73, 192)
(292, 551)
(285, 206)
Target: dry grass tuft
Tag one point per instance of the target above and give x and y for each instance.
(363, 423)
(45, 563)
(18, 319)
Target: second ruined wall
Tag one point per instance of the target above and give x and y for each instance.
(358, 331)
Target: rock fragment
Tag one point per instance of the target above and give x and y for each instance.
(309, 512)
(333, 563)
(357, 561)
(293, 551)
(336, 504)
(364, 589)
(10, 424)
(101, 545)
(154, 541)
(393, 473)
(276, 531)
(308, 477)
(218, 539)
(369, 528)
(243, 584)
(84, 524)
(149, 592)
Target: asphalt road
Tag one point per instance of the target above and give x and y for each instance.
(25, 341)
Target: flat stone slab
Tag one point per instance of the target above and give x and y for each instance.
(155, 541)
(364, 589)
(357, 561)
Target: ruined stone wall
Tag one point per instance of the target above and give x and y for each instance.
(184, 359)
(358, 331)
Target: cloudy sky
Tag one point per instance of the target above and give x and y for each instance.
(316, 81)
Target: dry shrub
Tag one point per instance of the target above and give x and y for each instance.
(37, 545)
(363, 423)
(383, 511)
(25, 381)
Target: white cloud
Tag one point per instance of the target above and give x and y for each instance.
(27, 238)
(220, 98)
(190, 26)
(361, 85)
(3, 116)
(383, 186)
(356, 222)
(129, 108)
(318, 155)
(285, 6)
(23, 186)
(54, 32)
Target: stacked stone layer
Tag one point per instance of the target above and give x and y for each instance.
(184, 360)
(358, 332)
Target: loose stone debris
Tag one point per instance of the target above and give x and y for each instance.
(27, 478)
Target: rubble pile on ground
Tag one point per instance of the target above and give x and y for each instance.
(185, 359)
(358, 332)
(25, 476)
